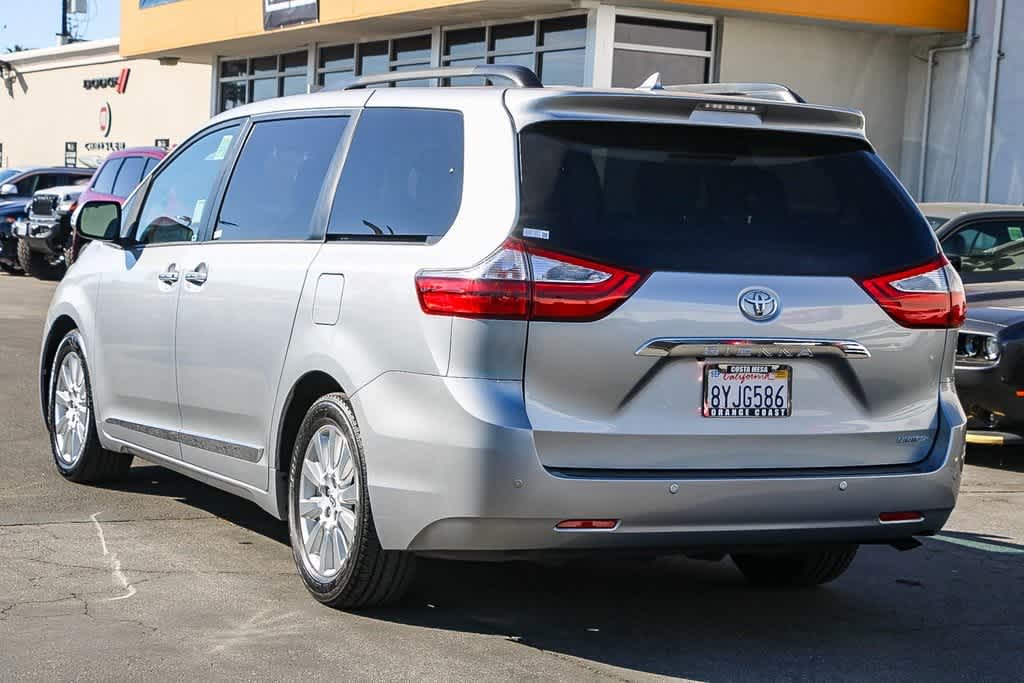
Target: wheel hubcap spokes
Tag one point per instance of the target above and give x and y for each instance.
(71, 409)
(328, 502)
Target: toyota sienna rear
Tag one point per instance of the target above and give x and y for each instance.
(524, 321)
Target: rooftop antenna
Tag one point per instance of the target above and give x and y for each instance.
(653, 82)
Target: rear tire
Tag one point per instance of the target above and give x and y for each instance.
(35, 264)
(807, 568)
(77, 452)
(329, 509)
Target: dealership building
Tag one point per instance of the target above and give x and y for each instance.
(73, 104)
(936, 79)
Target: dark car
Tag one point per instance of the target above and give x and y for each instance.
(986, 243)
(114, 181)
(44, 240)
(15, 194)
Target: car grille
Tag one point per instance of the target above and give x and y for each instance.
(43, 205)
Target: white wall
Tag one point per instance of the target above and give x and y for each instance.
(846, 67)
(46, 105)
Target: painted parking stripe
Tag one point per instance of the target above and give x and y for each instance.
(979, 545)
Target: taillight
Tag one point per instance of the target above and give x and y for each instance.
(521, 282)
(497, 287)
(927, 296)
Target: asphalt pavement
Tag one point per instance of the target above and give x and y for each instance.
(158, 577)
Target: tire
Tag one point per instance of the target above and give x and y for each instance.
(34, 263)
(367, 575)
(89, 462)
(808, 568)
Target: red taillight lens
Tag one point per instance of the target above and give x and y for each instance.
(497, 287)
(524, 283)
(570, 288)
(927, 296)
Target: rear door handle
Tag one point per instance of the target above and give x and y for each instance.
(198, 276)
(169, 276)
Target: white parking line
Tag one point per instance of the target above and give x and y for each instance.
(115, 564)
(979, 545)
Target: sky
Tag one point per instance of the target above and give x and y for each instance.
(36, 23)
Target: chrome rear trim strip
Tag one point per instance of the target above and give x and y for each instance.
(228, 448)
(705, 347)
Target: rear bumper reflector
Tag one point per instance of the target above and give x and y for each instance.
(900, 517)
(587, 524)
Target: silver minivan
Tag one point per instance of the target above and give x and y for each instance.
(494, 322)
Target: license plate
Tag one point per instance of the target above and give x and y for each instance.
(747, 390)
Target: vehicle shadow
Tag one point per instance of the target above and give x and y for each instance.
(1009, 458)
(894, 616)
(153, 480)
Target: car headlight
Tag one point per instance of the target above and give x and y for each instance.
(977, 350)
(990, 349)
(970, 345)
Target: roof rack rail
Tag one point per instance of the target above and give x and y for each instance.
(520, 76)
(761, 91)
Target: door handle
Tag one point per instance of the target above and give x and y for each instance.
(198, 276)
(169, 276)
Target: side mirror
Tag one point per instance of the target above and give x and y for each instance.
(100, 221)
(8, 190)
(956, 261)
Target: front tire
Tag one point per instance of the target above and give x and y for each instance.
(796, 569)
(334, 540)
(71, 420)
(35, 264)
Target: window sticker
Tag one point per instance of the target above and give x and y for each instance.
(222, 148)
(197, 212)
(1015, 233)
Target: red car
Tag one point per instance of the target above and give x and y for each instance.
(116, 178)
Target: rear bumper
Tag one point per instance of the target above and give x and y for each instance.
(451, 467)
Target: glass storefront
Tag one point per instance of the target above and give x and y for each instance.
(560, 49)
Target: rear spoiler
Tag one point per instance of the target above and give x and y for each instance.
(528, 106)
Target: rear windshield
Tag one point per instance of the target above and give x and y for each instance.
(726, 200)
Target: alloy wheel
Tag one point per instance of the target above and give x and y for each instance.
(328, 503)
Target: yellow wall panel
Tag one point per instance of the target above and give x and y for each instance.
(188, 23)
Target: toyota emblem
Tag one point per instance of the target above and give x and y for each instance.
(759, 304)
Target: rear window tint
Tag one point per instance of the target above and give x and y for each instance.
(402, 178)
(129, 176)
(702, 199)
(104, 182)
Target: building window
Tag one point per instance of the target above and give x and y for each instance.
(681, 52)
(251, 79)
(554, 48)
(338, 65)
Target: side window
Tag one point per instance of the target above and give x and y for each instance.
(27, 186)
(48, 180)
(174, 206)
(150, 165)
(81, 180)
(277, 180)
(994, 250)
(129, 176)
(402, 177)
(104, 182)
(960, 242)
